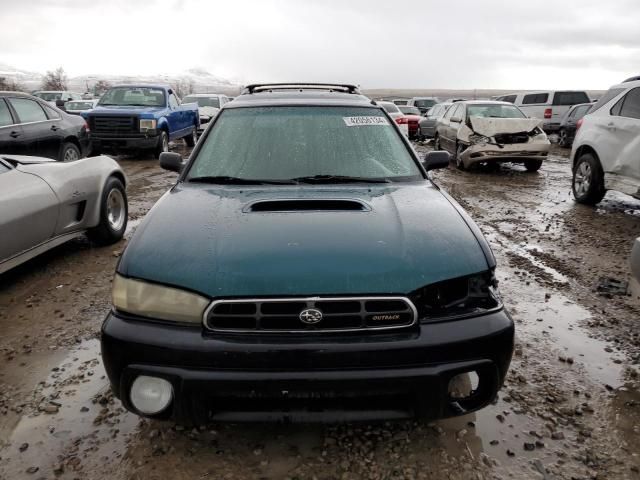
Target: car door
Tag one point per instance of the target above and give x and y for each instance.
(452, 127)
(442, 127)
(176, 119)
(11, 136)
(28, 211)
(40, 133)
(622, 143)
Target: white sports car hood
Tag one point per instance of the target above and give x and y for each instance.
(494, 126)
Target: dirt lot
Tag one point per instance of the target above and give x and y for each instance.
(570, 408)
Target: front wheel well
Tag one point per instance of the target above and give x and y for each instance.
(581, 151)
(119, 176)
(73, 140)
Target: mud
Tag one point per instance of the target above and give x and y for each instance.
(570, 408)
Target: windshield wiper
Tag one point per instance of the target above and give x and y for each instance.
(226, 180)
(339, 179)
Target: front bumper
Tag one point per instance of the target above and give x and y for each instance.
(362, 376)
(124, 142)
(516, 152)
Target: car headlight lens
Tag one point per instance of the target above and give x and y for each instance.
(147, 124)
(478, 139)
(457, 297)
(157, 302)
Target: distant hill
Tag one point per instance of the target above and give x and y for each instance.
(202, 80)
(443, 94)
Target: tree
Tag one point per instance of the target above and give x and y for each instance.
(184, 87)
(56, 80)
(10, 85)
(100, 87)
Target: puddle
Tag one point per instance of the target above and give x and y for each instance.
(75, 386)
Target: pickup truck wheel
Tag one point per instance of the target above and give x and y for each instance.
(532, 165)
(588, 180)
(192, 138)
(69, 152)
(114, 212)
(163, 144)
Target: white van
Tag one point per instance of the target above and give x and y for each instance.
(548, 105)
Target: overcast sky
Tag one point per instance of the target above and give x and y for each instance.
(587, 44)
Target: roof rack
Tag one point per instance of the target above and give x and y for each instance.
(632, 79)
(332, 87)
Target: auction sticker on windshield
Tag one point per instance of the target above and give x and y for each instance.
(364, 120)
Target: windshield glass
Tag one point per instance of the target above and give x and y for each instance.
(292, 142)
(410, 110)
(203, 101)
(79, 105)
(495, 111)
(134, 96)
(424, 103)
(49, 96)
(390, 107)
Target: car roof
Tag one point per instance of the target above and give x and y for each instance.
(6, 93)
(269, 98)
(205, 95)
(423, 98)
(143, 85)
(484, 102)
(627, 84)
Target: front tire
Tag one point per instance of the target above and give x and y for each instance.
(436, 142)
(564, 138)
(69, 152)
(532, 165)
(192, 138)
(458, 156)
(588, 180)
(163, 144)
(114, 212)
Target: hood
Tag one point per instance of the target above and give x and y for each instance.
(123, 110)
(208, 111)
(216, 241)
(494, 126)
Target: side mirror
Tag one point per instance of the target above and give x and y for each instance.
(60, 103)
(436, 159)
(171, 161)
(455, 119)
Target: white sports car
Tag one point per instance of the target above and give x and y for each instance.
(44, 203)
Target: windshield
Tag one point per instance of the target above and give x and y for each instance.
(410, 110)
(79, 105)
(134, 96)
(292, 142)
(495, 111)
(203, 101)
(49, 96)
(424, 103)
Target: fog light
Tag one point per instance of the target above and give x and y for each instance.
(463, 385)
(151, 395)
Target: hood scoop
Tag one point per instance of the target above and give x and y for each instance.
(307, 205)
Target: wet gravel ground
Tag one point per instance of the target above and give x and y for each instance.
(570, 408)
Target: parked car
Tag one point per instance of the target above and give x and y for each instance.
(422, 103)
(395, 113)
(44, 203)
(209, 105)
(427, 124)
(548, 105)
(31, 126)
(57, 98)
(141, 117)
(605, 150)
(412, 114)
(568, 123)
(76, 107)
(485, 131)
(400, 101)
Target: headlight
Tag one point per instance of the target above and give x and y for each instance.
(157, 302)
(147, 124)
(457, 297)
(476, 139)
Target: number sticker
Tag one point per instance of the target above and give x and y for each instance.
(358, 121)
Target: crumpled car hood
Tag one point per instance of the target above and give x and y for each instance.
(495, 126)
(205, 239)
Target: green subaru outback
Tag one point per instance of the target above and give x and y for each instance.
(305, 267)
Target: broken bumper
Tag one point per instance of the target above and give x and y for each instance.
(515, 153)
(320, 378)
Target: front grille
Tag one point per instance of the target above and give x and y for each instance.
(112, 124)
(512, 138)
(336, 314)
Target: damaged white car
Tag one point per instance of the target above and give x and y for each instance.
(481, 131)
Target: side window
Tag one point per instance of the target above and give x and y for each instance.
(173, 101)
(572, 112)
(570, 98)
(631, 104)
(5, 114)
(3, 168)
(534, 98)
(610, 95)
(28, 110)
(51, 113)
(449, 112)
(459, 112)
(509, 98)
